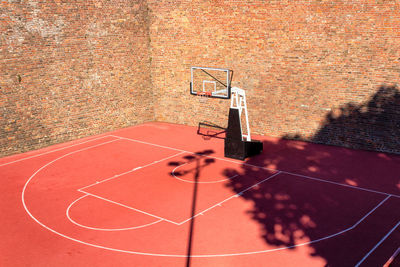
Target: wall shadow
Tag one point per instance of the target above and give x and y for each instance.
(298, 206)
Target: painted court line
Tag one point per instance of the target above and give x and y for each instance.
(210, 182)
(171, 255)
(177, 223)
(103, 229)
(184, 255)
(134, 169)
(377, 245)
(147, 143)
(167, 147)
(126, 206)
(63, 156)
(229, 198)
(320, 239)
(340, 184)
(48, 152)
(193, 256)
(62, 148)
(251, 165)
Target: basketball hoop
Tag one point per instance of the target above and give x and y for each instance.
(204, 96)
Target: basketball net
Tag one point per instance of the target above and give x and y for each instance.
(203, 96)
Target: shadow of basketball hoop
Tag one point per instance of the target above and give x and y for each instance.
(210, 130)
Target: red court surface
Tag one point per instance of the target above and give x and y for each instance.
(159, 194)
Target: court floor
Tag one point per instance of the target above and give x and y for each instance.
(160, 194)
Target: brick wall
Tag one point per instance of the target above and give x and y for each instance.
(303, 64)
(71, 69)
(312, 70)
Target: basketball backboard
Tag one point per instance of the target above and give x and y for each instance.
(215, 82)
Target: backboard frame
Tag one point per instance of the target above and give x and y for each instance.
(227, 87)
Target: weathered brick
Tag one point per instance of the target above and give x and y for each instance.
(323, 71)
(71, 69)
(296, 60)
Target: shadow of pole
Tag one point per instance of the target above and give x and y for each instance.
(201, 161)
(193, 211)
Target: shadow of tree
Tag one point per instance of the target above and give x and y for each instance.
(316, 195)
(374, 125)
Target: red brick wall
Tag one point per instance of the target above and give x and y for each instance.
(71, 69)
(312, 70)
(302, 64)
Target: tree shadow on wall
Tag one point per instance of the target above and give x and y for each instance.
(299, 207)
(374, 125)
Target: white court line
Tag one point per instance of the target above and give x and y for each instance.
(126, 206)
(340, 184)
(377, 245)
(158, 217)
(190, 152)
(167, 220)
(210, 182)
(170, 255)
(134, 169)
(167, 255)
(48, 152)
(103, 229)
(229, 198)
(255, 166)
(97, 138)
(147, 143)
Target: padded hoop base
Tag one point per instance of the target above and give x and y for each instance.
(235, 147)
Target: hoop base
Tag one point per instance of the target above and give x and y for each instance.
(235, 147)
